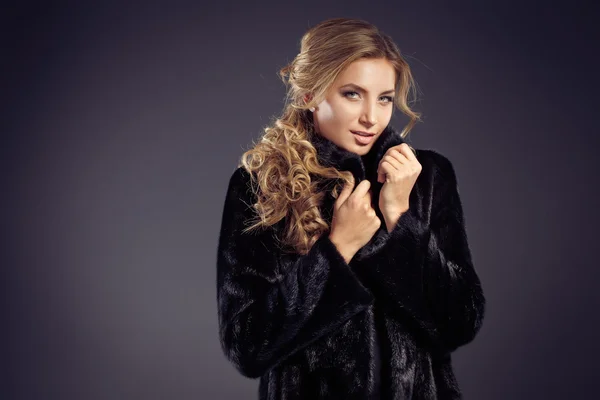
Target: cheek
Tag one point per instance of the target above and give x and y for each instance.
(334, 113)
(326, 112)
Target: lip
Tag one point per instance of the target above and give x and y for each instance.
(364, 133)
(363, 139)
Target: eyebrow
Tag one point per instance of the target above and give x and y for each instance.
(360, 89)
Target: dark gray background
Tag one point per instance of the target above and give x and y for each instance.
(122, 125)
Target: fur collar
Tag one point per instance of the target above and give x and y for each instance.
(362, 167)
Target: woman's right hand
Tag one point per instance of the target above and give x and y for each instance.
(354, 220)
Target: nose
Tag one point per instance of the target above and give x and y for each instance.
(369, 115)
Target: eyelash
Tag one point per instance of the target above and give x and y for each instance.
(389, 98)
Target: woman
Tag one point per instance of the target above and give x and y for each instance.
(343, 268)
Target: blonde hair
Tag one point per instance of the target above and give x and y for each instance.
(284, 167)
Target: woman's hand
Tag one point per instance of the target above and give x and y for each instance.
(398, 170)
(354, 220)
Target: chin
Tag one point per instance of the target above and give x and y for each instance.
(363, 151)
(360, 150)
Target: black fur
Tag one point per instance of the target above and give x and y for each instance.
(314, 327)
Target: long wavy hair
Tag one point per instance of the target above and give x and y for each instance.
(283, 165)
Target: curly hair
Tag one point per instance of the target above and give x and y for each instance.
(283, 165)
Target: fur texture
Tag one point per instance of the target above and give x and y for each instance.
(382, 327)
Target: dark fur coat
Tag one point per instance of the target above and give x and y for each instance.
(381, 327)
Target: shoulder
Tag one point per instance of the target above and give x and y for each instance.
(240, 182)
(437, 176)
(239, 176)
(240, 196)
(436, 164)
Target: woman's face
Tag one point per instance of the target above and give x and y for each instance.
(360, 99)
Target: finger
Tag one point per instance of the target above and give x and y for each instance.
(407, 152)
(368, 196)
(344, 194)
(361, 189)
(397, 153)
(386, 168)
(377, 222)
(410, 158)
(393, 161)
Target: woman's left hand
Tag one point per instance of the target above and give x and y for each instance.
(398, 170)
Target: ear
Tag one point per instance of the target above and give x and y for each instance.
(307, 98)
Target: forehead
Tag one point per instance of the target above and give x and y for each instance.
(372, 74)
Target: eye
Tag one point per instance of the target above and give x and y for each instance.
(350, 92)
(389, 99)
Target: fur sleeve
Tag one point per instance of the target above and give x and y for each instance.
(426, 272)
(270, 305)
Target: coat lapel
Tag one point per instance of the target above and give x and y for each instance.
(362, 167)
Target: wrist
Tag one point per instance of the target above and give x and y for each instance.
(345, 250)
(394, 211)
(391, 217)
